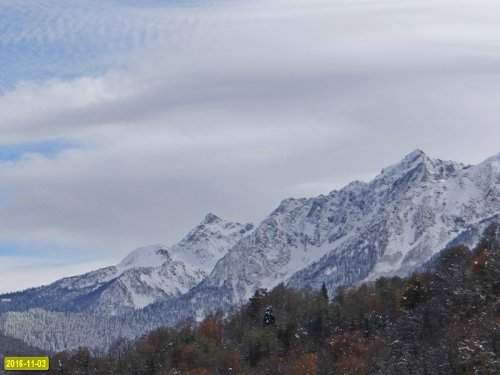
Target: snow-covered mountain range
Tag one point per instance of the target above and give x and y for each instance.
(148, 274)
(389, 226)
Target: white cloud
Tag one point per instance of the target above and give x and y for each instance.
(232, 107)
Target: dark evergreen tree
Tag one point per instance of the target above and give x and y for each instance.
(269, 317)
(415, 292)
(256, 302)
(324, 291)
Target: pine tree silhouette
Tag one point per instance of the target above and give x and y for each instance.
(269, 317)
(324, 291)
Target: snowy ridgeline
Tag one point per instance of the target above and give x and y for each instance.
(146, 275)
(389, 226)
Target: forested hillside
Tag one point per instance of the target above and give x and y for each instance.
(390, 226)
(444, 321)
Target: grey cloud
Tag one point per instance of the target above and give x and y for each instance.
(239, 106)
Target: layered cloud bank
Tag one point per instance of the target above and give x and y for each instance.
(123, 123)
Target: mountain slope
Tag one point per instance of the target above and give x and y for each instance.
(444, 321)
(146, 275)
(389, 226)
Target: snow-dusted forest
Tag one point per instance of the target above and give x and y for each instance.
(445, 320)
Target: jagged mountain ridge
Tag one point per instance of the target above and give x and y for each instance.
(146, 275)
(389, 226)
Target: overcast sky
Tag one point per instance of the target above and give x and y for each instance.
(123, 123)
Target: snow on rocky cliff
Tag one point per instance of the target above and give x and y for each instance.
(389, 226)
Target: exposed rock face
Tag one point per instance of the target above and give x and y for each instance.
(146, 275)
(389, 226)
(392, 225)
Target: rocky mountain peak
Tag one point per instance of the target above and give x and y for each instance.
(213, 227)
(211, 219)
(415, 159)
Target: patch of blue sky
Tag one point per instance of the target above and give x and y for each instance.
(52, 253)
(39, 61)
(31, 51)
(54, 39)
(12, 249)
(47, 148)
(157, 3)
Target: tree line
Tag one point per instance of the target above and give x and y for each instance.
(442, 321)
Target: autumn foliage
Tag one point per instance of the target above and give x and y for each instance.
(199, 371)
(305, 365)
(442, 321)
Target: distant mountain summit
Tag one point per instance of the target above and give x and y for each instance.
(392, 225)
(389, 226)
(145, 275)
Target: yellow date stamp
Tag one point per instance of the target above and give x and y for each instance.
(26, 363)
